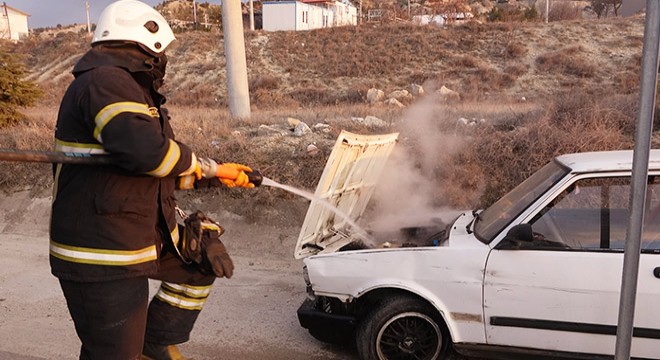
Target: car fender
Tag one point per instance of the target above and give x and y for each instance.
(417, 290)
(449, 279)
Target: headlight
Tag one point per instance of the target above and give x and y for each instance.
(308, 284)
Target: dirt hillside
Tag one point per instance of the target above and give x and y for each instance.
(338, 65)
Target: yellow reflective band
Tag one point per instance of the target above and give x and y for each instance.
(92, 256)
(169, 161)
(210, 226)
(80, 148)
(109, 112)
(187, 290)
(193, 166)
(58, 170)
(187, 182)
(175, 236)
(179, 301)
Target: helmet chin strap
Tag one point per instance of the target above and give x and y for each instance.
(157, 62)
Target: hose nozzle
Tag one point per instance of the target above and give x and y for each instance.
(255, 177)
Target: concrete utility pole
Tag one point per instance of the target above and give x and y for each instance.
(251, 16)
(360, 13)
(5, 12)
(237, 81)
(89, 26)
(195, 13)
(547, 10)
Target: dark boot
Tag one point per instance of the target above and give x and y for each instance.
(153, 351)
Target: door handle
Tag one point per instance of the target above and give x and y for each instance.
(656, 272)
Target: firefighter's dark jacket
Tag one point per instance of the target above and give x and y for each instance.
(110, 222)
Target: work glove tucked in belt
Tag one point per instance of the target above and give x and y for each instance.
(201, 245)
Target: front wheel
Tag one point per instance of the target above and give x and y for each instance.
(402, 328)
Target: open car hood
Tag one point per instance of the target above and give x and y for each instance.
(347, 183)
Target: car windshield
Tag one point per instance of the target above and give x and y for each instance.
(496, 217)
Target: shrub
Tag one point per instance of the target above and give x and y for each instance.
(531, 14)
(574, 122)
(495, 14)
(563, 10)
(269, 99)
(516, 69)
(515, 50)
(568, 61)
(264, 82)
(510, 13)
(314, 96)
(465, 61)
(14, 91)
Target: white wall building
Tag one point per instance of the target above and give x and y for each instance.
(307, 14)
(13, 23)
(442, 19)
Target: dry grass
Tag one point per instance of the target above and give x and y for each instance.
(564, 10)
(35, 134)
(514, 140)
(338, 65)
(508, 151)
(568, 61)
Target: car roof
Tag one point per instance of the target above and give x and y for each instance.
(620, 160)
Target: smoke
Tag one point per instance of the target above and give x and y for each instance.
(409, 194)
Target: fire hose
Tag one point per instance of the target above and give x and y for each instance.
(79, 159)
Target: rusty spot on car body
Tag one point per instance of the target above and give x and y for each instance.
(467, 317)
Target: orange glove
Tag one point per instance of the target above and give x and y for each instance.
(232, 174)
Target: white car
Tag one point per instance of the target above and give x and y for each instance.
(537, 273)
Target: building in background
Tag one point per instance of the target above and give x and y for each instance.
(307, 14)
(442, 19)
(13, 23)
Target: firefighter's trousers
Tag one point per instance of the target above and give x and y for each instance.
(113, 319)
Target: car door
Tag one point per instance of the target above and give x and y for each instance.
(560, 292)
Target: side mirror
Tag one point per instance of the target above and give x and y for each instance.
(520, 232)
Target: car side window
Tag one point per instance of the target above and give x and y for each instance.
(592, 215)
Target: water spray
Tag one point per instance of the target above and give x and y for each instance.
(309, 196)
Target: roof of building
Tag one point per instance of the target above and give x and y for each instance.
(16, 10)
(302, 1)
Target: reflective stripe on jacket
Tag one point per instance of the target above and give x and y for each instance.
(108, 221)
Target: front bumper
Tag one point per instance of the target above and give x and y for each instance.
(324, 326)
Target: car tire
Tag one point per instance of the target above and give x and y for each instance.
(402, 327)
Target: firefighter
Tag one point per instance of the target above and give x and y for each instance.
(114, 226)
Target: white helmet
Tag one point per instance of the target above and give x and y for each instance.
(132, 20)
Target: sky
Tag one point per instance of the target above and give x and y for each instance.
(48, 13)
